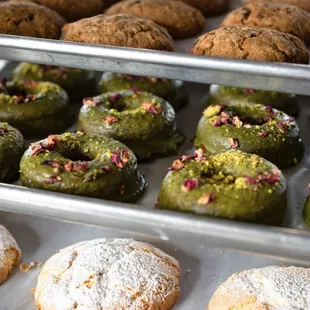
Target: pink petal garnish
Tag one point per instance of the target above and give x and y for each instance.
(92, 101)
(153, 109)
(51, 142)
(110, 119)
(176, 165)
(206, 198)
(190, 184)
(37, 149)
(262, 134)
(234, 143)
(53, 179)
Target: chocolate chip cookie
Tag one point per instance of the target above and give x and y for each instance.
(180, 19)
(282, 17)
(253, 43)
(209, 7)
(119, 30)
(29, 19)
(304, 4)
(71, 10)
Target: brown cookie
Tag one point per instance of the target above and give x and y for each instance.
(209, 7)
(282, 17)
(119, 30)
(71, 10)
(303, 4)
(180, 19)
(253, 43)
(29, 19)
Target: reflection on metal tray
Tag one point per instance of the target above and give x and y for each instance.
(250, 74)
(204, 262)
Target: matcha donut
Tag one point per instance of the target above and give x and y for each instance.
(252, 128)
(35, 108)
(142, 121)
(306, 213)
(233, 185)
(11, 151)
(76, 82)
(83, 164)
(287, 103)
(171, 90)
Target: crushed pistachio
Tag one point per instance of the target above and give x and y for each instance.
(213, 110)
(206, 198)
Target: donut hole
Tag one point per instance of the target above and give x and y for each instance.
(122, 104)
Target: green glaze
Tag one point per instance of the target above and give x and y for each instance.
(76, 82)
(119, 183)
(229, 177)
(11, 151)
(287, 103)
(306, 213)
(277, 139)
(46, 112)
(171, 90)
(143, 132)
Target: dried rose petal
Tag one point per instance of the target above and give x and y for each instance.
(225, 118)
(176, 165)
(216, 123)
(249, 91)
(188, 157)
(190, 184)
(262, 134)
(282, 128)
(234, 143)
(206, 198)
(53, 179)
(37, 149)
(270, 110)
(136, 90)
(3, 131)
(30, 84)
(20, 99)
(52, 163)
(81, 166)
(51, 141)
(68, 166)
(124, 156)
(272, 176)
(92, 101)
(106, 169)
(122, 190)
(110, 119)
(237, 122)
(153, 79)
(153, 109)
(114, 96)
(30, 97)
(199, 155)
(120, 158)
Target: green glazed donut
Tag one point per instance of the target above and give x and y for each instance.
(76, 82)
(11, 151)
(142, 121)
(287, 103)
(171, 90)
(233, 185)
(306, 213)
(83, 164)
(252, 128)
(35, 108)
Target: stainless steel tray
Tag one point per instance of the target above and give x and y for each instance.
(204, 262)
(260, 75)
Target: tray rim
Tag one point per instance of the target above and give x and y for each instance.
(290, 78)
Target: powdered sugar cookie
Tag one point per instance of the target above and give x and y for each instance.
(108, 274)
(274, 287)
(10, 253)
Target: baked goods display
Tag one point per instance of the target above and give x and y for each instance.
(171, 90)
(272, 287)
(10, 253)
(142, 121)
(220, 94)
(71, 10)
(283, 17)
(250, 128)
(11, 151)
(29, 19)
(35, 108)
(233, 185)
(109, 274)
(180, 19)
(83, 164)
(209, 7)
(252, 43)
(76, 82)
(304, 4)
(119, 30)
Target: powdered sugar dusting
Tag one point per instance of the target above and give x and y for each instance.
(108, 274)
(281, 288)
(6, 242)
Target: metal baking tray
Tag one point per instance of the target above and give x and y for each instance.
(251, 74)
(205, 263)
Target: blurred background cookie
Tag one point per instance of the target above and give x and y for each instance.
(304, 4)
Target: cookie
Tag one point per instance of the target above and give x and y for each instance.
(272, 287)
(109, 274)
(71, 10)
(282, 17)
(10, 253)
(209, 7)
(119, 30)
(29, 19)
(180, 19)
(253, 43)
(303, 4)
